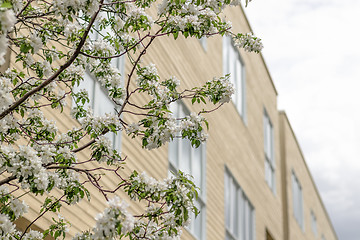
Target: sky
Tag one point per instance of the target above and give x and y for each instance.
(312, 49)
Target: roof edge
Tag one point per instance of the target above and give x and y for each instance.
(260, 53)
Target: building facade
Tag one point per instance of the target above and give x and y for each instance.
(254, 181)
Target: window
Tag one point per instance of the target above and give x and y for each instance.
(100, 103)
(297, 200)
(182, 156)
(99, 100)
(239, 212)
(269, 152)
(313, 222)
(233, 64)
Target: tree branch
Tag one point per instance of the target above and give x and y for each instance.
(57, 73)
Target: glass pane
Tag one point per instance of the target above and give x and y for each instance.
(239, 87)
(117, 142)
(265, 133)
(197, 166)
(102, 102)
(174, 109)
(115, 62)
(247, 221)
(103, 105)
(272, 179)
(184, 161)
(198, 221)
(241, 215)
(232, 64)
(234, 208)
(227, 200)
(269, 138)
(93, 34)
(267, 174)
(173, 152)
(272, 156)
(301, 212)
(181, 111)
(252, 223)
(226, 46)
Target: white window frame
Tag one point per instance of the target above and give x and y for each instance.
(196, 160)
(298, 202)
(239, 212)
(234, 65)
(313, 222)
(269, 152)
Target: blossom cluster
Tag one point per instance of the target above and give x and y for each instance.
(249, 42)
(11, 209)
(6, 98)
(65, 7)
(178, 192)
(161, 128)
(219, 90)
(195, 18)
(98, 125)
(7, 22)
(27, 165)
(170, 204)
(162, 93)
(158, 131)
(115, 220)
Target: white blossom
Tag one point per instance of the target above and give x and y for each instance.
(7, 20)
(3, 48)
(249, 42)
(35, 42)
(112, 216)
(18, 207)
(6, 226)
(33, 235)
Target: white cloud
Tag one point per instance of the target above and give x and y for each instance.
(313, 52)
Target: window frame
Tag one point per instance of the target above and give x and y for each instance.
(239, 81)
(298, 200)
(175, 154)
(245, 217)
(269, 152)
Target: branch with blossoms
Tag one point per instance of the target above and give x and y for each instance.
(53, 44)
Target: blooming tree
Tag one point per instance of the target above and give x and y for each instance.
(53, 45)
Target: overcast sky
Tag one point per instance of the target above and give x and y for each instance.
(312, 49)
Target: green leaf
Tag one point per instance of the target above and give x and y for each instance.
(193, 100)
(6, 5)
(176, 34)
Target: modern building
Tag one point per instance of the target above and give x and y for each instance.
(255, 184)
